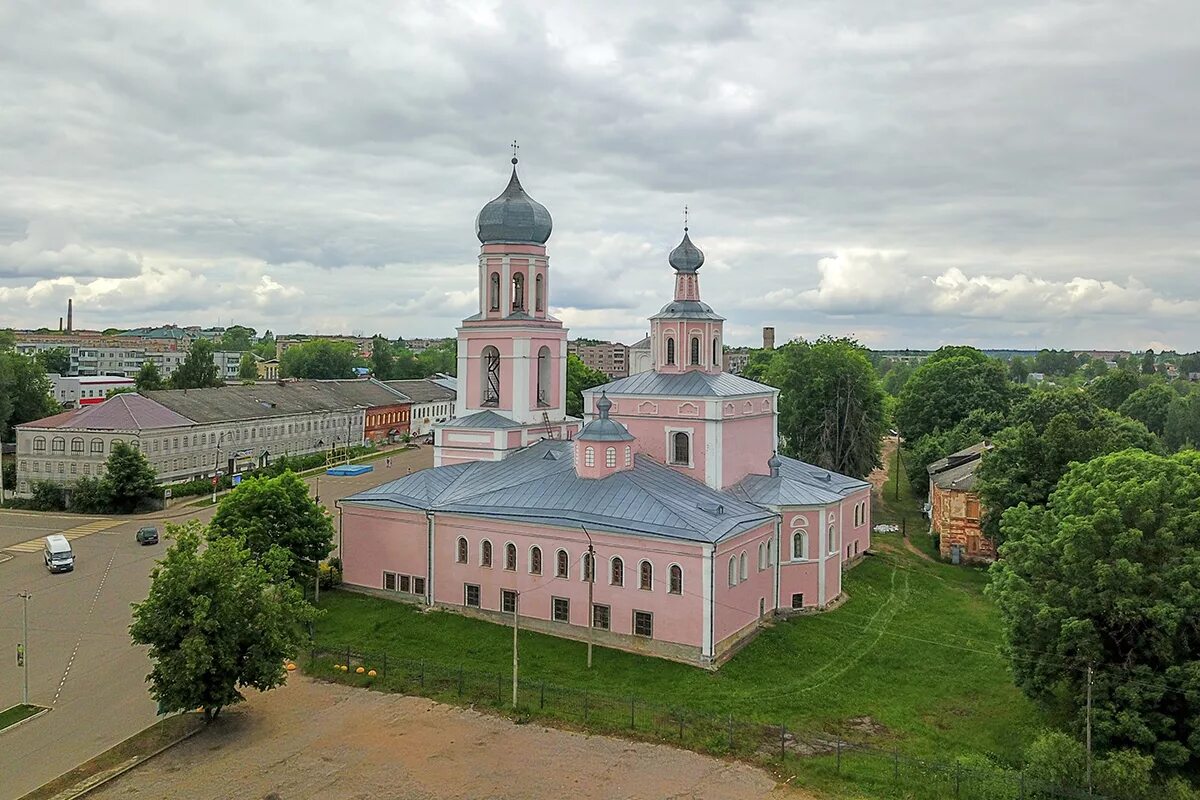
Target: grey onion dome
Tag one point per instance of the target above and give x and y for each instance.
(604, 429)
(773, 465)
(514, 217)
(686, 257)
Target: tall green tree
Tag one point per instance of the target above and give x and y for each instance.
(896, 377)
(579, 377)
(129, 479)
(264, 348)
(218, 621)
(248, 367)
(148, 377)
(757, 364)
(978, 426)
(237, 338)
(8, 339)
(56, 360)
(1094, 368)
(952, 383)
(319, 359)
(1019, 369)
(1106, 574)
(830, 404)
(1047, 431)
(1055, 362)
(1149, 363)
(439, 358)
(1182, 426)
(198, 370)
(383, 363)
(24, 393)
(1113, 388)
(1148, 406)
(277, 512)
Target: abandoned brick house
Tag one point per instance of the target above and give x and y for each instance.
(954, 511)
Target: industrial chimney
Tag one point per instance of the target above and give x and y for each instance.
(70, 303)
(768, 338)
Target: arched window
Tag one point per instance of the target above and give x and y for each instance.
(610, 457)
(628, 456)
(543, 375)
(680, 448)
(762, 556)
(616, 575)
(518, 292)
(770, 552)
(733, 571)
(745, 566)
(77, 444)
(587, 567)
(97, 445)
(539, 294)
(646, 576)
(832, 540)
(461, 556)
(39, 444)
(589, 457)
(695, 350)
(494, 292)
(58, 445)
(485, 553)
(561, 564)
(510, 556)
(670, 350)
(799, 546)
(535, 560)
(716, 352)
(490, 364)
(676, 582)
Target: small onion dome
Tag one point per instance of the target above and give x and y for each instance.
(686, 257)
(603, 429)
(514, 217)
(773, 464)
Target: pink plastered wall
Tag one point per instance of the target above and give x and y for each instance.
(375, 540)
(677, 617)
(738, 606)
(747, 443)
(651, 435)
(859, 534)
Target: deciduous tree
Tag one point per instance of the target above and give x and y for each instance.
(277, 512)
(217, 621)
(148, 377)
(1182, 428)
(978, 426)
(24, 393)
(56, 360)
(830, 404)
(1148, 406)
(383, 363)
(1105, 574)
(129, 479)
(579, 377)
(1113, 388)
(319, 359)
(952, 383)
(198, 370)
(248, 367)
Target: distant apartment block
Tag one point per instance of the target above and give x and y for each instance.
(94, 354)
(362, 344)
(611, 358)
(736, 359)
(85, 390)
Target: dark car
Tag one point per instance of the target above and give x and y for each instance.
(147, 535)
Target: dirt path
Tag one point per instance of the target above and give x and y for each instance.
(311, 739)
(912, 548)
(879, 475)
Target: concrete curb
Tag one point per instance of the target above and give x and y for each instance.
(44, 709)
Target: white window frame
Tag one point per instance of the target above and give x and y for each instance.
(670, 447)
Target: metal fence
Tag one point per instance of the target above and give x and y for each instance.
(829, 756)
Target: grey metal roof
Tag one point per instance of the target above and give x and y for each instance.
(482, 419)
(961, 477)
(513, 217)
(423, 390)
(649, 499)
(972, 453)
(687, 309)
(264, 400)
(690, 384)
(798, 484)
(686, 257)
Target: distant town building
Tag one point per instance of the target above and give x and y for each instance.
(421, 345)
(362, 344)
(736, 359)
(611, 358)
(768, 338)
(268, 369)
(85, 390)
(954, 510)
(432, 403)
(640, 358)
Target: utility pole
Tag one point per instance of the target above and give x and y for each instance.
(516, 606)
(897, 486)
(1089, 730)
(25, 646)
(591, 592)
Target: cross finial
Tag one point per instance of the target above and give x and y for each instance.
(685, 219)
(515, 147)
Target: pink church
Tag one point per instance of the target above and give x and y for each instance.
(669, 500)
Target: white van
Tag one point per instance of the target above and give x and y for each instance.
(58, 554)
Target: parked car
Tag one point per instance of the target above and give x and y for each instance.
(147, 535)
(57, 554)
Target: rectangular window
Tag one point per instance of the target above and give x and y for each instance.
(562, 609)
(601, 617)
(405, 583)
(418, 585)
(798, 600)
(508, 601)
(643, 624)
(389, 581)
(471, 594)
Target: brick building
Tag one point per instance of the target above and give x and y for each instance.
(954, 509)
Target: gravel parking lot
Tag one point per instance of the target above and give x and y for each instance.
(311, 739)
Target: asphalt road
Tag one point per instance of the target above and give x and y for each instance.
(81, 661)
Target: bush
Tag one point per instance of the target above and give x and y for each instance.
(90, 496)
(48, 496)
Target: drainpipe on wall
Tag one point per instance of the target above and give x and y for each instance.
(429, 562)
(712, 602)
(778, 554)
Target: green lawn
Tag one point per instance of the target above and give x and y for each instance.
(14, 714)
(903, 508)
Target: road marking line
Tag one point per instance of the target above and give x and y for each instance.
(87, 617)
(35, 545)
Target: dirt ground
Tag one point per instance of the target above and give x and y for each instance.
(311, 739)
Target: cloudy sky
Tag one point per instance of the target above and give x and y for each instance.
(997, 173)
